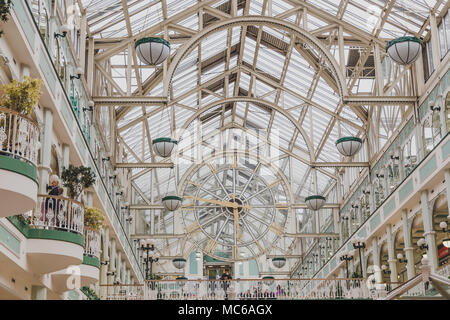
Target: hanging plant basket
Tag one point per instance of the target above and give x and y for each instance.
(182, 282)
(163, 147)
(404, 50)
(179, 263)
(279, 262)
(315, 202)
(172, 203)
(348, 146)
(152, 51)
(268, 280)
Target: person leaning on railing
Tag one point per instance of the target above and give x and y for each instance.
(55, 190)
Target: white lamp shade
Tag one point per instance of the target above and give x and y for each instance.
(399, 256)
(348, 146)
(443, 225)
(152, 51)
(404, 50)
(269, 280)
(163, 147)
(181, 283)
(179, 263)
(172, 203)
(142, 243)
(446, 242)
(315, 202)
(420, 242)
(279, 262)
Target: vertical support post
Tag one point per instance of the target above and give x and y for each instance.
(392, 259)
(409, 250)
(429, 233)
(46, 146)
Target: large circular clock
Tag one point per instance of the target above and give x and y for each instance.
(234, 210)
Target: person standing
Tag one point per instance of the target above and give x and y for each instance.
(226, 276)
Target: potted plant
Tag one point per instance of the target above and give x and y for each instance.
(93, 218)
(76, 179)
(5, 9)
(21, 96)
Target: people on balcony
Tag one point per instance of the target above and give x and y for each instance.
(52, 205)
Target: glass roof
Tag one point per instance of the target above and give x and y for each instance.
(285, 96)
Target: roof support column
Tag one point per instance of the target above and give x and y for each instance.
(409, 250)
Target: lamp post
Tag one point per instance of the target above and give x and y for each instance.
(346, 257)
(359, 244)
(146, 247)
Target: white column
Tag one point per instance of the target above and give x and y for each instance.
(409, 250)
(429, 233)
(46, 151)
(447, 188)
(392, 259)
(376, 261)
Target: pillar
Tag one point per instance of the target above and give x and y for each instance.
(429, 233)
(376, 261)
(392, 259)
(409, 250)
(38, 293)
(46, 151)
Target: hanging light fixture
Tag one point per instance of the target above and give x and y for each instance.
(446, 241)
(268, 280)
(172, 203)
(279, 262)
(315, 202)
(404, 50)
(179, 263)
(182, 282)
(348, 146)
(152, 51)
(163, 147)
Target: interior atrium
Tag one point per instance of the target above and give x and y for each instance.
(224, 149)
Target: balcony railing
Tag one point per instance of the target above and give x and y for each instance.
(19, 136)
(247, 289)
(58, 213)
(91, 242)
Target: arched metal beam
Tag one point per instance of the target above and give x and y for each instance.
(255, 101)
(302, 34)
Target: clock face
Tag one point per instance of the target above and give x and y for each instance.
(234, 212)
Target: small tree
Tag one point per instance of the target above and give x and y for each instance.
(5, 9)
(76, 179)
(21, 96)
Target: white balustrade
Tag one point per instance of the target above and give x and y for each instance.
(58, 213)
(92, 242)
(19, 136)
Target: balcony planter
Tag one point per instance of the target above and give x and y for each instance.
(152, 51)
(179, 263)
(163, 147)
(315, 202)
(404, 50)
(279, 262)
(348, 146)
(172, 203)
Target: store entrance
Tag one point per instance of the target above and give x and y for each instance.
(214, 272)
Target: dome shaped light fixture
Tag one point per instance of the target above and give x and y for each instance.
(404, 50)
(163, 147)
(279, 262)
(152, 51)
(172, 203)
(348, 146)
(268, 280)
(179, 263)
(182, 281)
(315, 202)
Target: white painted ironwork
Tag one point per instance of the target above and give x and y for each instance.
(58, 213)
(92, 242)
(19, 136)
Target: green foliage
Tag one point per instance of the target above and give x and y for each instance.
(22, 96)
(5, 9)
(90, 294)
(76, 179)
(94, 218)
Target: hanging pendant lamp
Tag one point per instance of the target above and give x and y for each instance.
(163, 147)
(179, 263)
(279, 262)
(268, 280)
(348, 146)
(404, 50)
(152, 51)
(172, 203)
(315, 202)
